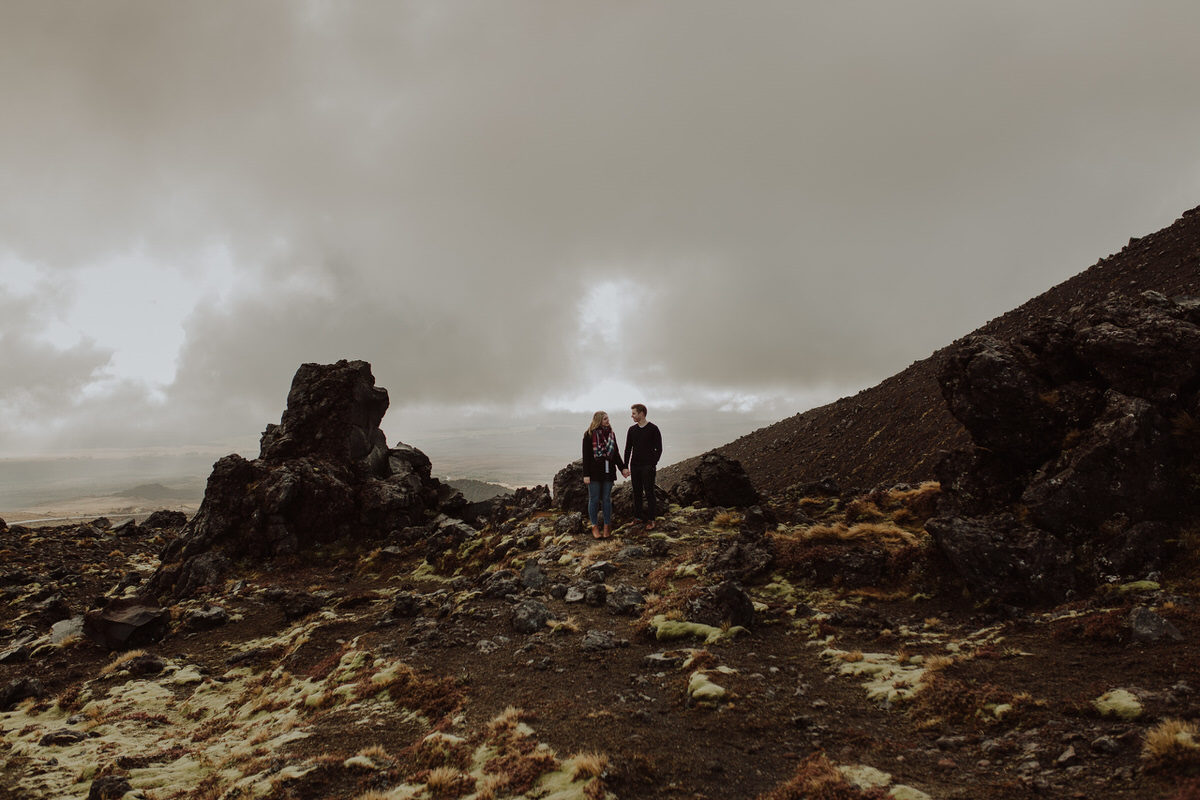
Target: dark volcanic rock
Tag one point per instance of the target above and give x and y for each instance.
(1086, 449)
(165, 519)
(126, 624)
(727, 602)
(110, 787)
(332, 412)
(19, 689)
(716, 481)
(530, 616)
(570, 492)
(323, 474)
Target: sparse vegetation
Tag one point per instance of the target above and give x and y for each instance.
(816, 778)
(1172, 743)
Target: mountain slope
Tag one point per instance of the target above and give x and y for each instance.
(894, 432)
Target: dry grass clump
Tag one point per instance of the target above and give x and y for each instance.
(589, 765)
(433, 697)
(448, 782)
(727, 519)
(1173, 742)
(659, 579)
(519, 761)
(862, 509)
(120, 661)
(440, 751)
(882, 532)
(946, 699)
(816, 778)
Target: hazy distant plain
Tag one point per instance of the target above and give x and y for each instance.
(519, 455)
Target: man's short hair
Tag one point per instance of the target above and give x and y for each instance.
(638, 407)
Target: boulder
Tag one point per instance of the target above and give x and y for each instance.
(626, 600)
(20, 689)
(727, 602)
(127, 623)
(530, 616)
(165, 519)
(202, 619)
(1003, 559)
(570, 492)
(1085, 449)
(716, 481)
(110, 787)
(324, 473)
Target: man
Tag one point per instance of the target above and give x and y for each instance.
(643, 447)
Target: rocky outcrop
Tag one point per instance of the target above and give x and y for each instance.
(570, 492)
(716, 481)
(324, 473)
(1085, 461)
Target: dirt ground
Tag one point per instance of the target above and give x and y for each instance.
(387, 671)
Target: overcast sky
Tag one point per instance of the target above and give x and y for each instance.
(514, 206)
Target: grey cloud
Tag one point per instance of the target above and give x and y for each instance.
(803, 194)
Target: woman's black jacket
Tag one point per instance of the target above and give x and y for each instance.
(594, 467)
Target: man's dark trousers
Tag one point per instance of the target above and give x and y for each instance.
(643, 483)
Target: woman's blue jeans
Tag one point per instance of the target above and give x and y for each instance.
(600, 495)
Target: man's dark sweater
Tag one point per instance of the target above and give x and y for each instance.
(643, 445)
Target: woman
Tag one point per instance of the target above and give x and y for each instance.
(601, 463)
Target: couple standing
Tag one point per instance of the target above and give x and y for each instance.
(602, 460)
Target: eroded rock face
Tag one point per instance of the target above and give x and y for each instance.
(323, 474)
(1085, 462)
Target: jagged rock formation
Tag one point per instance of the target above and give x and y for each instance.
(1085, 461)
(324, 473)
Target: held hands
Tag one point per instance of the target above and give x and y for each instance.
(625, 472)
(586, 480)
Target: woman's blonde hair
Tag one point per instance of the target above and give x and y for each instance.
(597, 420)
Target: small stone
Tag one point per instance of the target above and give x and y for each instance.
(203, 619)
(62, 736)
(595, 641)
(1106, 745)
(1147, 626)
(530, 616)
(1067, 757)
(951, 742)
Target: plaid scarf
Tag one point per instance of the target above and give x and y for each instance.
(604, 442)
